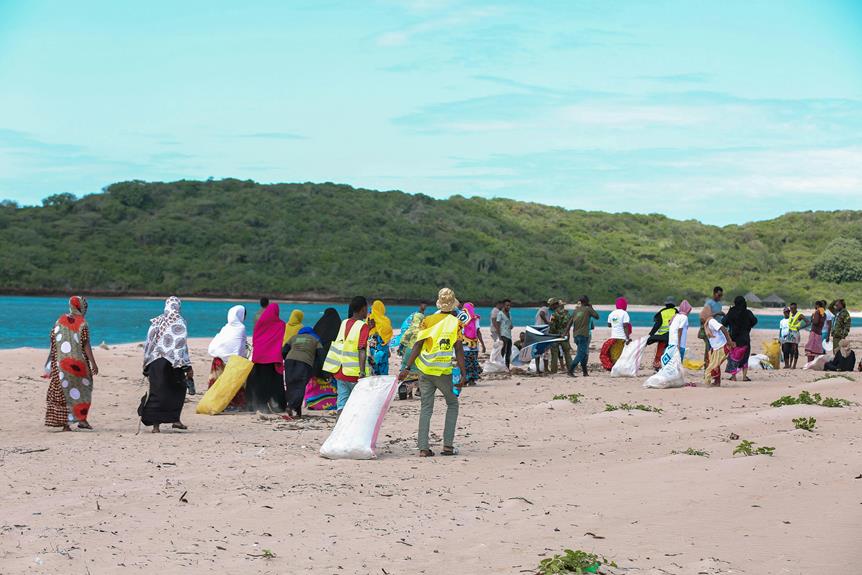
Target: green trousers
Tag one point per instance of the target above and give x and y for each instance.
(428, 386)
(555, 353)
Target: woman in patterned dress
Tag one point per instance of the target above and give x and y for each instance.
(167, 365)
(72, 368)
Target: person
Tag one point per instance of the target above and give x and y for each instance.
(621, 332)
(380, 334)
(659, 332)
(72, 366)
(677, 334)
(814, 347)
(543, 314)
(230, 341)
(437, 345)
(495, 321)
(561, 324)
(796, 323)
(786, 340)
(720, 344)
(293, 325)
(300, 355)
(711, 308)
(827, 325)
(739, 321)
(264, 388)
(321, 393)
(582, 320)
(504, 322)
(471, 336)
(841, 322)
(168, 366)
(409, 331)
(264, 301)
(844, 359)
(347, 355)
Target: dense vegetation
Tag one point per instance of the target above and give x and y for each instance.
(240, 238)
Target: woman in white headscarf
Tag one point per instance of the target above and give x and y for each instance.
(168, 367)
(231, 340)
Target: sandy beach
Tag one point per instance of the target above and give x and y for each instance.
(534, 476)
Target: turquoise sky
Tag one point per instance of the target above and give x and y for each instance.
(722, 111)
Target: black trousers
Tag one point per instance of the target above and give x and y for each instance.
(296, 376)
(507, 349)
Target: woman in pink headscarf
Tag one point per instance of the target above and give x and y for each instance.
(264, 389)
(621, 334)
(471, 336)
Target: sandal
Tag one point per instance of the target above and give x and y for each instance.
(178, 425)
(449, 451)
(746, 378)
(426, 453)
(84, 425)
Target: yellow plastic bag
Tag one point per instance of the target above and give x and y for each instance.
(217, 398)
(692, 364)
(772, 350)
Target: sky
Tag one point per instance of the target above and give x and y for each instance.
(725, 112)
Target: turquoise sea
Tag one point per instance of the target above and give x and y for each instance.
(27, 320)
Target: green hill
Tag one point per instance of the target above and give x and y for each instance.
(240, 238)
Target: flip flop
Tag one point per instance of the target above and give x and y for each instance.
(426, 453)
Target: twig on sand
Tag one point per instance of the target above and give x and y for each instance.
(33, 451)
(183, 497)
(524, 499)
(593, 535)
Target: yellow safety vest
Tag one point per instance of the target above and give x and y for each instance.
(344, 351)
(795, 321)
(443, 336)
(666, 317)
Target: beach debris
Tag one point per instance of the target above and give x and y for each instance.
(593, 535)
(183, 497)
(104, 345)
(524, 499)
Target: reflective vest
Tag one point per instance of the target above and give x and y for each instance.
(344, 351)
(666, 317)
(796, 321)
(443, 336)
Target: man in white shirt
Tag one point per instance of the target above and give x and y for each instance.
(495, 321)
(678, 332)
(720, 344)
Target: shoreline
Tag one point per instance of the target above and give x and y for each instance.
(318, 298)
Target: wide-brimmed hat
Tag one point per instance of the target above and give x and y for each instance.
(553, 301)
(446, 300)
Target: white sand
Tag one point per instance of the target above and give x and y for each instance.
(534, 476)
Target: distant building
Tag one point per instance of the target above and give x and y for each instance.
(753, 300)
(773, 301)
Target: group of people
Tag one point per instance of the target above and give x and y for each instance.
(317, 367)
(827, 323)
(293, 365)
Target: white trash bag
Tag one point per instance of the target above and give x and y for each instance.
(671, 374)
(819, 362)
(496, 363)
(355, 433)
(630, 360)
(828, 347)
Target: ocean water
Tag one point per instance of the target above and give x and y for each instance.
(27, 320)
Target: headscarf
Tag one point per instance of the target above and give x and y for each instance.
(309, 331)
(622, 303)
(739, 320)
(167, 336)
(471, 328)
(293, 325)
(684, 307)
(231, 340)
(382, 324)
(267, 338)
